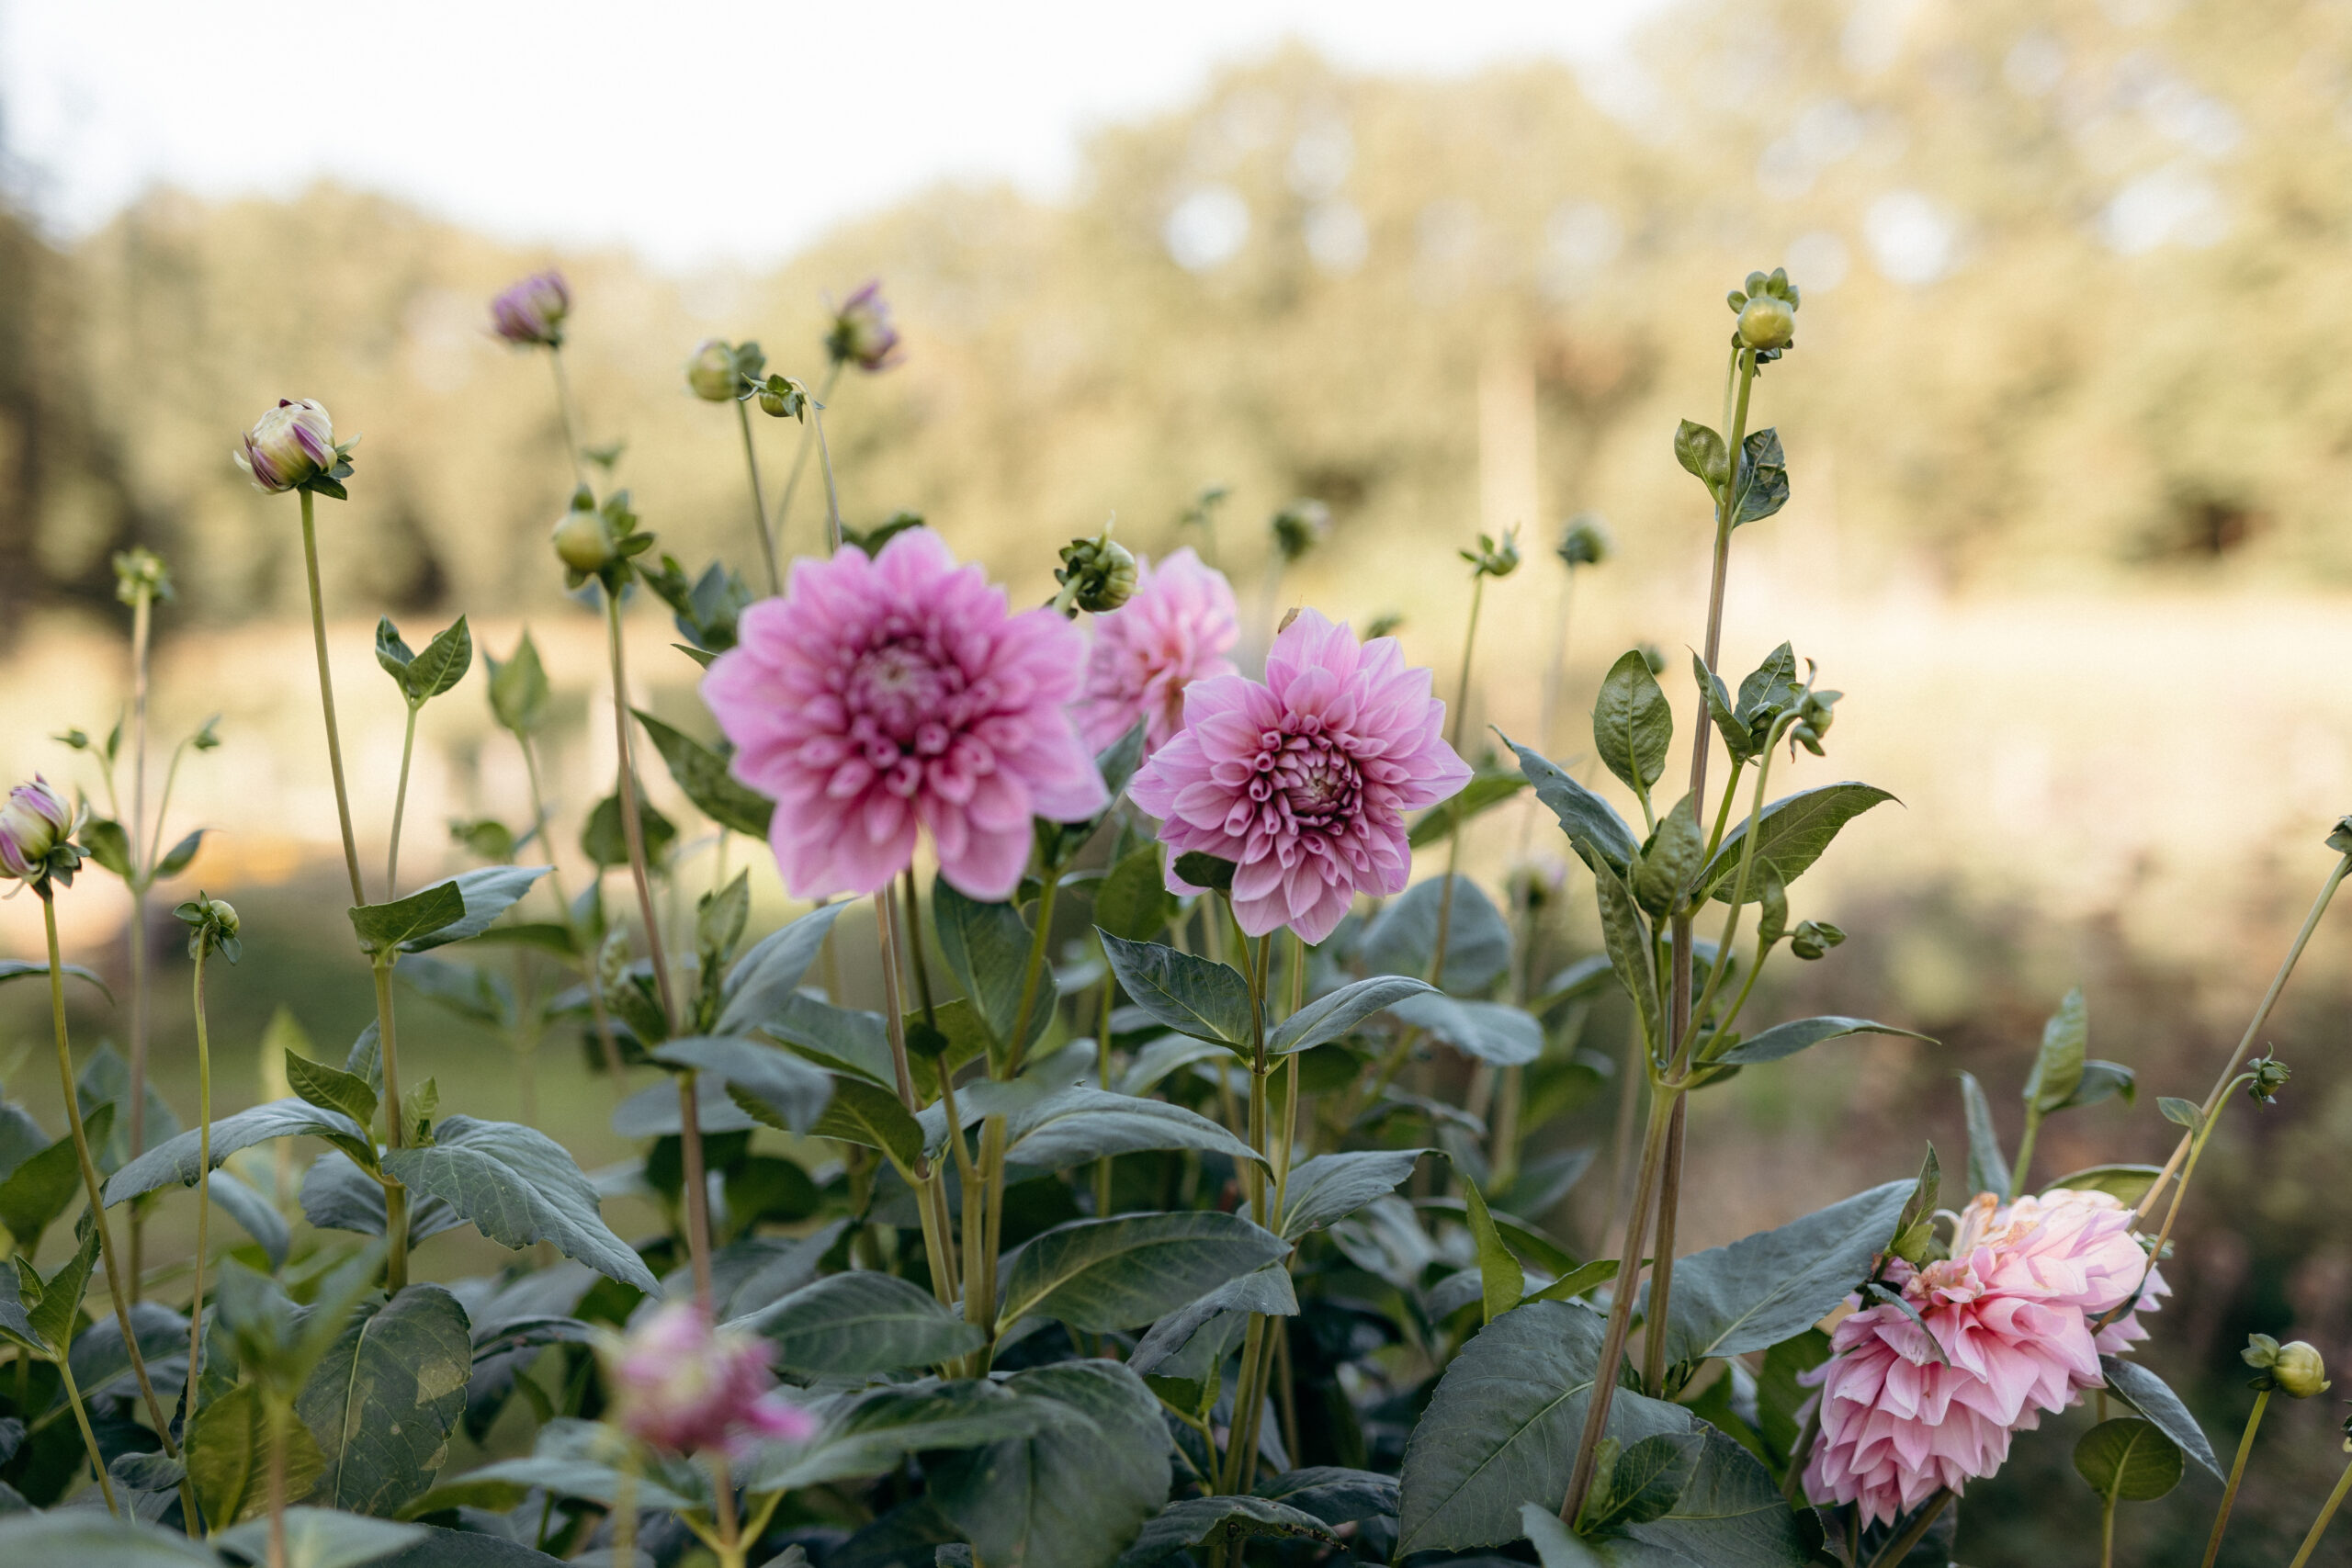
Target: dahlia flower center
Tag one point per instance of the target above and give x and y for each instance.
(1317, 784)
(897, 685)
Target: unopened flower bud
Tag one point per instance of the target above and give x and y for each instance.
(530, 312)
(582, 542)
(33, 822)
(781, 397)
(1299, 527)
(1815, 713)
(1097, 575)
(1586, 542)
(712, 373)
(213, 926)
(1767, 323)
(1814, 937)
(2266, 1076)
(861, 333)
(1492, 559)
(683, 1387)
(2295, 1370)
(291, 443)
(140, 573)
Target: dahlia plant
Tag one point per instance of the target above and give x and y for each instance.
(1130, 1217)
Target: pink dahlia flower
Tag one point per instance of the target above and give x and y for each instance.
(1303, 779)
(2012, 1308)
(1173, 630)
(686, 1388)
(33, 819)
(531, 311)
(881, 696)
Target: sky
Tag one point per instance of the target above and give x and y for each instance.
(725, 132)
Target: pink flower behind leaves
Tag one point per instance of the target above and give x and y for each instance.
(879, 696)
(1303, 779)
(683, 1387)
(2012, 1308)
(1174, 629)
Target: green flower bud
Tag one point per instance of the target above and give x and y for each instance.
(582, 542)
(2266, 1076)
(1653, 655)
(1492, 559)
(1812, 939)
(1767, 323)
(1097, 575)
(138, 572)
(213, 926)
(2295, 1370)
(1586, 542)
(712, 372)
(1299, 527)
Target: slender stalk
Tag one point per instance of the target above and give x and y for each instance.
(142, 875)
(395, 1130)
(90, 1184)
(759, 503)
(203, 1194)
(1454, 838)
(800, 456)
(1792, 1484)
(935, 1239)
(2326, 1512)
(1669, 1201)
(915, 958)
(697, 1184)
(616, 1070)
(2237, 1473)
(400, 806)
(1895, 1551)
(89, 1438)
(1621, 1314)
(2105, 1532)
(276, 1405)
(2025, 1150)
(326, 698)
(1102, 1076)
(624, 1514)
(1629, 1104)
(730, 1533)
(632, 825)
(832, 496)
(563, 406)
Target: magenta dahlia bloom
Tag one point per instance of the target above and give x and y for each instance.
(1173, 630)
(2012, 1308)
(33, 819)
(879, 696)
(1303, 779)
(686, 1388)
(530, 312)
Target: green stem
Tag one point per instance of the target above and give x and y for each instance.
(632, 823)
(90, 1183)
(2237, 1473)
(616, 1070)
(89, 1438)
(801, 457)
(400, 806)
(935, 1239)
(2319, 1526)
(1032, 977)
(326, 698)
(697, 1182)
(563, 406)
(1454, 838)
(396, 1133)
(1102, 1076)
(2025, 1150)
(758, 503)
(203, 1193)
(276, 1407)
(142, 872)
(1621, 1315)
(832, 496)
(2105, 1532)
(1895, 1551)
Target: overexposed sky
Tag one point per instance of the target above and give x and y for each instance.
(696, 131)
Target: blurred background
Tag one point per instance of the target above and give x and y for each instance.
(2069, 424)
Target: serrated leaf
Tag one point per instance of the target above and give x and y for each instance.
(518, 1187)
(1077, 1493)
(1788, 1039)
(1266, 1290)
(1730, 1515)
(1761, 1290)
(1331, 1187)
(1647, 1480)
(1763, 478)
(1125, 1271)
(1633, 724)
(1592, 824)
(2058, 1066)
(330, 1089)
(1503, 1280)
(176, 1160)
(1332, 1016)
(869, 1115)
(702, 775)
(228, 1458)
(1191, 996)
(1988, 1167)
(797, 1093)
(408, 920)
(862, 1323)
(1792, 834)
(384, 1399)
(2128, 1459)
(1213, 1525)
(873, 1431)
(1074, 1126)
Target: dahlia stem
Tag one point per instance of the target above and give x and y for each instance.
(1792, 1484)
(915, 959)
(1628, 1105)
(2237, 1473)
(563, 406)
(395, 1130)
(142, 875)
(326, 698)
(275, 1404)
(89, 1438)
(1454, 838)
(614, 1068)
(832, 496)
(203, 1192)
(758, 503)
(1108, 989)
(1621, 1314)
(400, 805)
(801, 457)
(1895, 1551)
(930, 1198)
(2326, 1512)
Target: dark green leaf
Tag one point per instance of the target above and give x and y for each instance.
(1788, 1039)
(90, 1538)
(1126, 1272)
(1794, 831)
(1556, 1545)
(2103, 1080)
(1730, 1515)
(702, 775)
(176, 1160)
(1133, 900)
(391, 652)
(1627, 938)
(1633, 724)
(2181, 1113)
(1331, 1017)
(579, 1459)
(1211, 1526)
(1578, 1282)
(875, 1430)
(2152, 1397)
(1780, 1397)
(104, 841)
(1332, 1186)
(1503, 1280)
(383, 1400)
(1402, 938)
(1670, 859)
(1267, 1290)
(487, 892)
(1701, 453)
(406, 920)
(1202, 870)
(1762, 1289)
(181, 854)
(330, 1089)
(1077, 1493)
(1494, 1033)
(18, 969)
(442, 665)
(337, 1195)
(866, 1113)
(257, 1215)
(1988, 1169)
(2128, 1459)
(2124, 1184)
(1763, 478)
(518, 1187)
(987, 949)
(862, 1323)
(1647, 1480)
(1080, 1124)
(45, 1185)
(1485, 791)
(1719, 708)
(1333, 1493)
(2058, 1067)
(603, 838)
(228, 1458)
(52, 1318)
(1191, 996)
(518, 689)
(1592, 824)
(797, 1093)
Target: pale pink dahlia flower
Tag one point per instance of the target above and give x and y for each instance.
(2012, 1308)
(1304, 780)
(881, 696)
(686, 1388)
(1173, 630)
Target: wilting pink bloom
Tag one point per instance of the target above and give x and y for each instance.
(293, 442)
(879, 696)
(2012, 1308)
(686, 1388)
(1303, 779)
(530, 312)
(1173, 630)
(32, 820)
(863, 334)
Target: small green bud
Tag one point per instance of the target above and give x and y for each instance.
(1586, 541)
(212, 925)
(1653, 655)
(781, 397)
(2266, 1076)
(2295, 1369)
(1767, 323)
(140, 573)
(1812, 939)
(712, 374)
(1815, 713)
(582, 542)
(1492, 559)
(1097, 575)
(1299, 527)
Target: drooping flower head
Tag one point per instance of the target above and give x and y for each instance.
(686, 1388)
(530, 312)
(1303, 779)
(291, 443)
(861, 333)
(1173, 630)
(33, 821)
(882, 696)
(2012, 1308)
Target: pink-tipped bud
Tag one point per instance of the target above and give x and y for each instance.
(863, 334)
(291, 443)
(685, 1387)
(33, 821)
(530, 312)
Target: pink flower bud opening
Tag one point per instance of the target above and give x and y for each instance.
(685, 1387)
(291, 443)
(530, 312)
(863, 333)
(32, 821)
